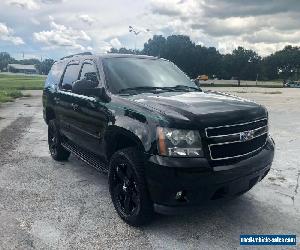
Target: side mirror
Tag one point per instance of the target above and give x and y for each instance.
(84, 87)
(90, 88)
(101, 93)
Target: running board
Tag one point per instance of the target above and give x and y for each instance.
(87, 157)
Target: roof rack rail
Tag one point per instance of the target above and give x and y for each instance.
(79, 54)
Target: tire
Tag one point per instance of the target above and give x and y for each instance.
(57, 151)
(128, 188)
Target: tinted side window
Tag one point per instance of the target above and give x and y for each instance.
(89, 72)
(70, 76)
(55, 74)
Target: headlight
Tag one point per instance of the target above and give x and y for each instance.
(179, 143)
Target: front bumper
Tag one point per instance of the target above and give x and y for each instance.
(200, 182)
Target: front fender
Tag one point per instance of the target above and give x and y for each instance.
(138, 130)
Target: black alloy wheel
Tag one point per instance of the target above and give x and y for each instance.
(125, 190)
(52, 141)
(57, 151)
(128, 188)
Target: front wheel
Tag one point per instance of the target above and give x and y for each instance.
(57, 151)
(128, 187)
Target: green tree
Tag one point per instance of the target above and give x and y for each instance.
(5, 59)
(176, 48)
(192, 59)
(31, 61)
(155, 46)
(122, 51)
(45, 66)
(287, 62)
(242, 64)
(181, 50)
(208, 61)
(268, 68)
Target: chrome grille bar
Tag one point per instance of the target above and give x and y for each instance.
(243, 139)
(232, 125)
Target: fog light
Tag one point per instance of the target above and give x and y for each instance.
(193, 152)
(181, 196)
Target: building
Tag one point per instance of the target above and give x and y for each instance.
(20, 68)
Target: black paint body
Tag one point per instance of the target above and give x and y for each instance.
(97, 125)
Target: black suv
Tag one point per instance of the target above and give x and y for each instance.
(164, 142)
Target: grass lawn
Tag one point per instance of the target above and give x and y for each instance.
(10, 95)
(11, 85)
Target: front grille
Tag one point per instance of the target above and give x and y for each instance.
(236, 140)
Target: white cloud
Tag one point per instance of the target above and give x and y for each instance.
(6, 34)
(262, 48)
(261, 25)
(31, 4)
(264, 26)
(183, 9)
(52, 1)
(229, 26)
(240, 8)
(35, 21)
(115, 43)
(24, 4)
(86, 19)
(103, 47)
(270, 35)
(166, 7)
(62, 36)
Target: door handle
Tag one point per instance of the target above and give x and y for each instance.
(75, 106)
(56, 100)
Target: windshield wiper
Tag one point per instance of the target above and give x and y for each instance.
(185, 87)
(141, 89)
(136, 90)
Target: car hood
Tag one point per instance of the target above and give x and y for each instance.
(201, 108)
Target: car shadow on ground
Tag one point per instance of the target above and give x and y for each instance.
(215, 224)
(244, 212)
(223, 221)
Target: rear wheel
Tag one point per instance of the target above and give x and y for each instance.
(128, 188)
(57, 151)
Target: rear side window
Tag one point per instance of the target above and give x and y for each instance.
(55, 74)
(70, 76)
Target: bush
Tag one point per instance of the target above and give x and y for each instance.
(8, 96)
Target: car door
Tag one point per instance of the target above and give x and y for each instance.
(64, 100)
(92, 118)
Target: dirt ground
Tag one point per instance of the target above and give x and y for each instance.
(49, 205)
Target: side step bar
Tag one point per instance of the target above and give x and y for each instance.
(87, 157)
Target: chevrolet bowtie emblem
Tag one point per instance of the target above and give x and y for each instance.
(246, 136)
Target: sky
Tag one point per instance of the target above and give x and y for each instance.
(55, 28)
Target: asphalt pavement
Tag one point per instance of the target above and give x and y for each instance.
(50, 205)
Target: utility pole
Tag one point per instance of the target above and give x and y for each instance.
(256, 78)
(136, 32)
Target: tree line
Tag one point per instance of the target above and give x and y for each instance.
(43, 67)
(242, 63)
(195, 60)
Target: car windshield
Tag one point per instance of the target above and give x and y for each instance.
(140, 74)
